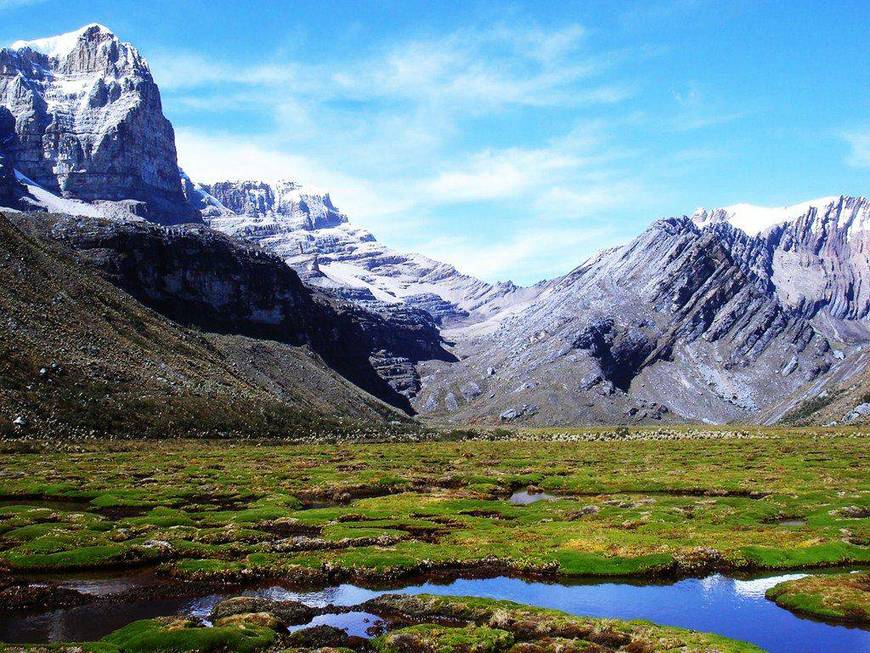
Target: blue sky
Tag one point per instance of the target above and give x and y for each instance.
(511, 139)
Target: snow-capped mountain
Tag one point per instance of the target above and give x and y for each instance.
(736, 313)
(815, 256)
(315, 238)
(81, 119)
(694, 319)
(753, 219)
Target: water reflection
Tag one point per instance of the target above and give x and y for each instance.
(720, 604)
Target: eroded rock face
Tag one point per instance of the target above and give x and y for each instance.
(197, 276)
(670, 326)
(11, 191)
(818, 263)
(315, 238)
(87, 123)
(298, 207)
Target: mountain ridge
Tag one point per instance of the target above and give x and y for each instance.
(84, 121)
(725, 314)
(81, 357)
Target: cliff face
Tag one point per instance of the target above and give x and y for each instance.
(669, 326)
(79, 356)
(196, 276)
(11, 191)
(298, 208)
(81, 117)
(315, 238)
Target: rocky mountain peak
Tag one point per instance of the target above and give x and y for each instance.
(60, 46)
(286, 201)
(753, 219)
(81, 118)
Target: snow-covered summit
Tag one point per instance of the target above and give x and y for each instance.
(60, 45)
(314, 237)
(87, 123)
(284, 205)
(754, 219)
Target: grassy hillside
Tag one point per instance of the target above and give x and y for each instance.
(79, 357)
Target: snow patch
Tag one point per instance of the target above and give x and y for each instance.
(53, 204)
(754, 219)
(58, 46)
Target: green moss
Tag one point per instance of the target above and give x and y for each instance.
(575, 563)
(542, 629)
(151, 635)
(837, 597)
(625, 508)
(32, 531)
(162, 517)
(808, 556)
(80, 558)
(78, 647)
(442, 639)
(121, 498)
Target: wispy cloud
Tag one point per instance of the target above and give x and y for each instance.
(13, 4)
(546, 252)
(210, 157)
(391, 133)
(695, 110)
(465, 69)
(491, 174)
(859, 144)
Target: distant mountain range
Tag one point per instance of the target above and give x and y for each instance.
(741, 313)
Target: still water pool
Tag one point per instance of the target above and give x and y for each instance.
(728, 606)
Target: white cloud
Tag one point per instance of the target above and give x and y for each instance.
(589, 199)
(217, 157)
(697, 111)
(389, 134)
(859, 143)
(538, 253)
(498, 174)
(12, 4)
(186, 70)
(471, 70)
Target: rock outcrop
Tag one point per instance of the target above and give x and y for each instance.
(12, 192)
(302, 227)
(81, 117)
(197, 276)
(670, 326)
(81, 357)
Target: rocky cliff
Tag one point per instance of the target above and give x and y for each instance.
(316, 239)
(817, 262)
(672, 326)
(79, 357)
(81, 117)
(196, 276)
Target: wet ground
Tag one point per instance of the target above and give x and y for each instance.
(733, 607)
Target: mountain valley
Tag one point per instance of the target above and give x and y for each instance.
(737, 314)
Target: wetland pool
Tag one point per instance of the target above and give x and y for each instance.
(732, 607)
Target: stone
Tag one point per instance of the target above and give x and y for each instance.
(858, 412)
(470, 390)
(288, 613)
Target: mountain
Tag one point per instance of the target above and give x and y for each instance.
(315, 238)
(198, 277)
(752, 219)
(694, 319)
(80, 356)
(741, 313)
(816, 260)
(81, 119)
